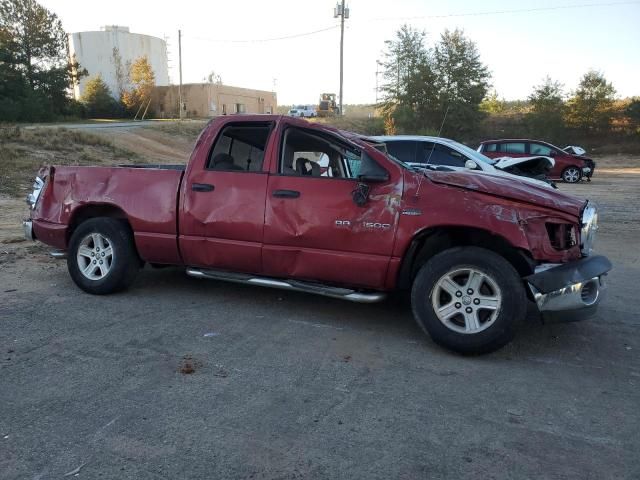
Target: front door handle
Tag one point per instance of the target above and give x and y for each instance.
(202, 187)
(286, 193)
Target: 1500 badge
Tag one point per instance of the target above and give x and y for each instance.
(372, 225)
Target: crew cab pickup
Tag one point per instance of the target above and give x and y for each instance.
(280, 202)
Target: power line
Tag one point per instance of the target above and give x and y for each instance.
(500, 12)
(263, 40)
(418, 17)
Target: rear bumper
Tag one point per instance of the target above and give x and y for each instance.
(27, 226)
(53, 234)
(570, 291)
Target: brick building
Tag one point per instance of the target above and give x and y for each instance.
(202, 100)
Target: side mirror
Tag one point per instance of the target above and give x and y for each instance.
(470, 164)
(370, 171)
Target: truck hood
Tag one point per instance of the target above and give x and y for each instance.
(511, 188)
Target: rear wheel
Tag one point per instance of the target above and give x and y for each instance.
(468, 299)
(102, 257)
(571, 174)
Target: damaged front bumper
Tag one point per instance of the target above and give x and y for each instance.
(588, 170)
(569, 291)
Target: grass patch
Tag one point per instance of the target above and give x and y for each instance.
(23, 151)
(362, 125)
(187, 129)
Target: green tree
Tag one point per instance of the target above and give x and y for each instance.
(98, 99)
(546, 117)
(492, 103)
(462, 81)
(590, 108)
(633, 113)
(38, 34)
(408, 95)
(13, 87)
(35, 69)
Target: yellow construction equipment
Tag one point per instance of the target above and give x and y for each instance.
(327, 107)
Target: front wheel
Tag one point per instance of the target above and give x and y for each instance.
(571, 175)
(468, 299)
(102, 257)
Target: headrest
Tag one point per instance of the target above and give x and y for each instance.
(222, 158)
(304, 166)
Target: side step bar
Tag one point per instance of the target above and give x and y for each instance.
(294, 285)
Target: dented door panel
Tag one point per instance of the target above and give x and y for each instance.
(323, 235)
(222, 228)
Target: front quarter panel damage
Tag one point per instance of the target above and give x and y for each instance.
(519, 223)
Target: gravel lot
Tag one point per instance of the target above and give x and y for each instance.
(181, 378)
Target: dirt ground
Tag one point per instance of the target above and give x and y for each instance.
(184, 378)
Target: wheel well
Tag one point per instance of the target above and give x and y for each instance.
(432, 241)
(86, 212)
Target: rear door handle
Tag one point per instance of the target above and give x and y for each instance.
(202, 187)
(286, 193)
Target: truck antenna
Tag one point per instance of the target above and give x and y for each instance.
(433, 146)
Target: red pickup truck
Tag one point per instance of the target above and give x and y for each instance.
(280, 202)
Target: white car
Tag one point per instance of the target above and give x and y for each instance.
(418, 151)
(304, 111)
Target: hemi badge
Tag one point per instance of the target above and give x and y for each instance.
(412, 211)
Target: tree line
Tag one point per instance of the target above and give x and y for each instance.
(445, 88)
(37, 74)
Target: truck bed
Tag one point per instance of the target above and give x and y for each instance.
(155, 166)
(146, 195)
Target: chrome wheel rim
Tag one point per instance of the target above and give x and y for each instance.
(571, 175)
(95, 256)
(466, 300)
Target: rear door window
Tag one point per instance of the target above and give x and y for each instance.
(240, 148)
(513, 147)
(437, 154)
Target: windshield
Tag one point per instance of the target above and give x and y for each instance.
(473, 154)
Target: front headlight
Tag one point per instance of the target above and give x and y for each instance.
(32, 198)
(589, 228)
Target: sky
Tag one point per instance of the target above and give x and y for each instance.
(562, 39)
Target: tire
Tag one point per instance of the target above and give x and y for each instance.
(482, 321)
(104, 240)
(571, 174)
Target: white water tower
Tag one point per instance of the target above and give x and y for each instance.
(110, 50)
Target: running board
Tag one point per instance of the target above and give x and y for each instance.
(293, 285)
(58, 254)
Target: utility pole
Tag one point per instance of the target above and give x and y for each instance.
(180, 72)
(342, 12)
